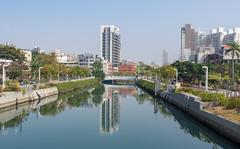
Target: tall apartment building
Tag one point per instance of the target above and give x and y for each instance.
(215, 39)
(165, 57)
(212, 45)
(233, 35)
(111, 44)
(218, 37)
(188, 41)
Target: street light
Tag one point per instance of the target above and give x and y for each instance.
(176, 74)
(39, 74)
(3, 76)
(206, 79)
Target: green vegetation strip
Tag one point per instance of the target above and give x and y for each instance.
(148, 86)
(69, 86)
(219, 99)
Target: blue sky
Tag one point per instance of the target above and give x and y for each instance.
(147, 26)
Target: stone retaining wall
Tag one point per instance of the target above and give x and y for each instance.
(12, 98)
(193, 106)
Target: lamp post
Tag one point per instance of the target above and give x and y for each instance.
(176, 74)
(3, 76)
(39, 74)
(206, 79)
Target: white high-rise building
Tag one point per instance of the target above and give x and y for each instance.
(215, 39)
(232, 36)
(165, 57)
(111, 44)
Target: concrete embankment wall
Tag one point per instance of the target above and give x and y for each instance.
(11, 98)
(193, 106)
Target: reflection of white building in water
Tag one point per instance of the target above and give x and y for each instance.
(110, 112)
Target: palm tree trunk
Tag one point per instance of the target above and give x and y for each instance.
(233, 69)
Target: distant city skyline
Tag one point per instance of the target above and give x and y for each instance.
(146, 27)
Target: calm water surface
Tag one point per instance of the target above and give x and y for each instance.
(107, 117)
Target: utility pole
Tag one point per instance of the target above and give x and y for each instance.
(206, 77)
(3, 76)
(39, 74)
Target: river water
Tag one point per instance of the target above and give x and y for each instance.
(106, 117)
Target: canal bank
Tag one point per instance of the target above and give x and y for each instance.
(8, 99)
(193, 106)
(106, 116)
(65, 87)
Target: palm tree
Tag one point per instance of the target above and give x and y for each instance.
(235, 51)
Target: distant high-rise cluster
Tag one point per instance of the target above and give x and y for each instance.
(197, 46)
(111, 44)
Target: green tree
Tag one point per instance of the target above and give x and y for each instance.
(62, 70)
(12, 53)
(49, 64)
(98, 70)
(235, 51)
(189, 72)
(85, 72)
(16, 69)
(167, 72)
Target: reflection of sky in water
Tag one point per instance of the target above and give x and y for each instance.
(107, 117)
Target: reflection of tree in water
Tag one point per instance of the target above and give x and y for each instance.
(141, 98)
(163, 109)
(79, 100)
(50, 109)
(97, 94)
(71, 99)
(16, 121)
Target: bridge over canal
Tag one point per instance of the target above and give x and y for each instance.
(119, 80)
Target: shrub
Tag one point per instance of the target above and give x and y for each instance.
(12, 85)
(220, 99)
(24, 91)
(233, 103)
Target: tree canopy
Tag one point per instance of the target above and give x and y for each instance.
(98, 70)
